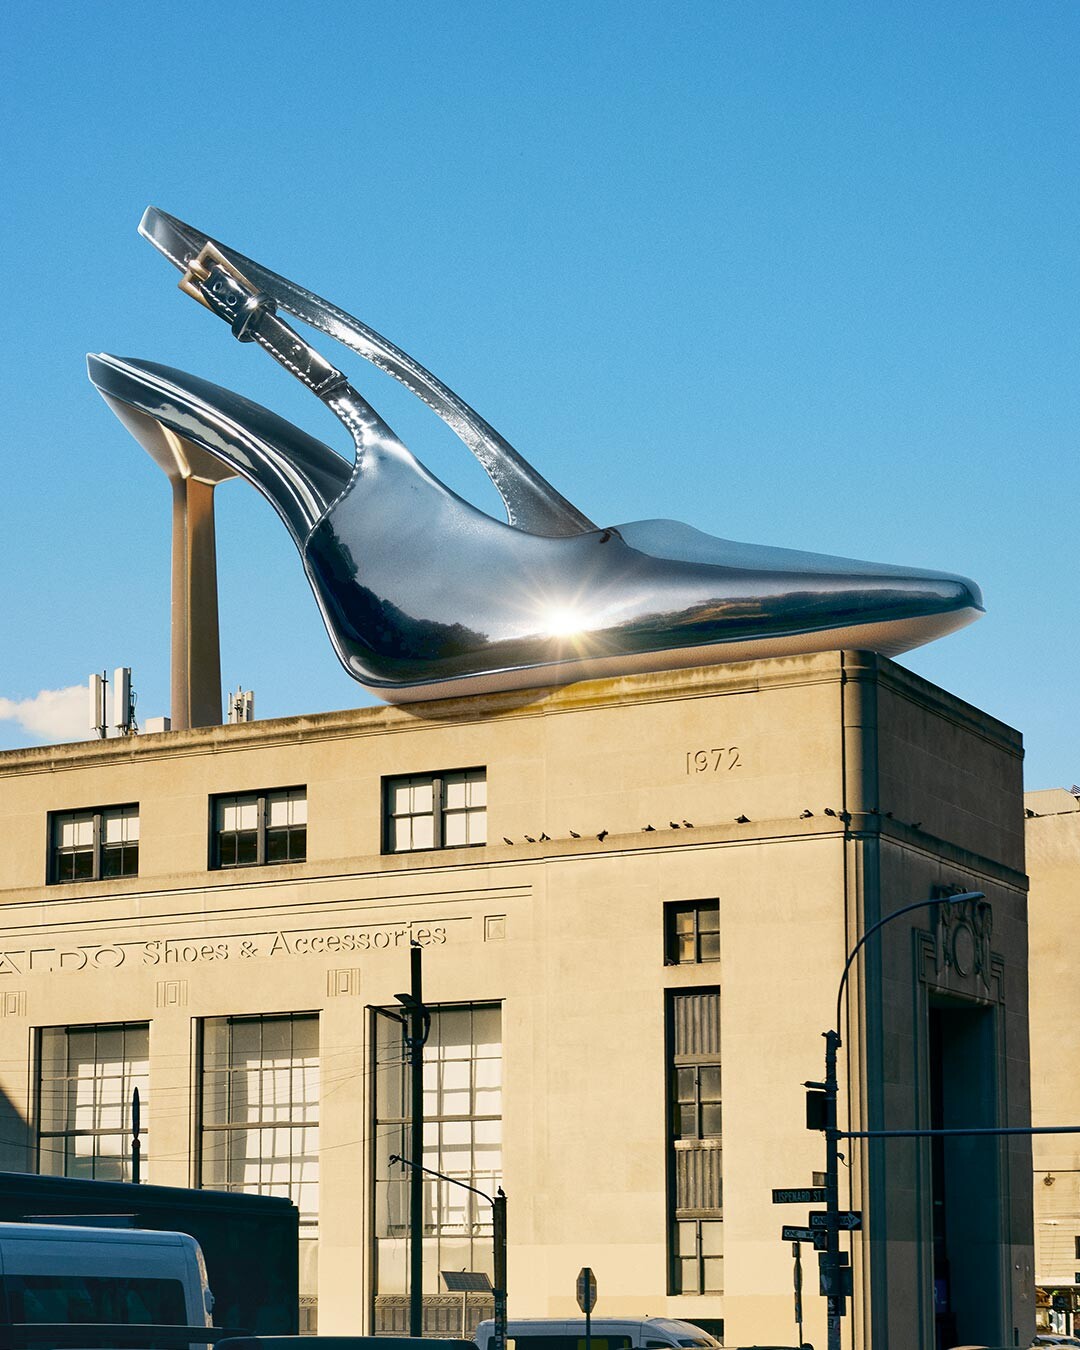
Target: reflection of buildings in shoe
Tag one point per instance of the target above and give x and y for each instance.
(1053, 861)
(228, 907)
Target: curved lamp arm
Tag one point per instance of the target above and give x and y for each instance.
(896, 913)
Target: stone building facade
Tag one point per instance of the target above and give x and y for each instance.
(634, 899)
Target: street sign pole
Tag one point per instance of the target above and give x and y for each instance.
(796, 1251)
(586, 1297)
(830, 1258)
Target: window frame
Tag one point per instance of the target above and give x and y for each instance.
(98, 846)
(673, 909)
(695, 1149)
(263, 798)
(230, 1129)
(699, 1257)
(439, 809)
(452, 1215)
(55, 1141)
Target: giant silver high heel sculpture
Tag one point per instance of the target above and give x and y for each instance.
(425, 596)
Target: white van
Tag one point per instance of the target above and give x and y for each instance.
(54, 1274)
(608, 1333)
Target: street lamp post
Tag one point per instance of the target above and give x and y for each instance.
(835, 1276)
(498, 1228)
(416, 1022)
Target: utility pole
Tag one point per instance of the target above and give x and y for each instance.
(417, 1022)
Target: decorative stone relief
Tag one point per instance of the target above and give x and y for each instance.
(339, 982)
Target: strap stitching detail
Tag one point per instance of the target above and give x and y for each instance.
(482, 440)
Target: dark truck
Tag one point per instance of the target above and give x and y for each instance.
(249, 1242)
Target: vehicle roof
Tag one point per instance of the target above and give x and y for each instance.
(55, 1232)
(667, 1322)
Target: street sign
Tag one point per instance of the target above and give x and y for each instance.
(817, 1236)
(846, 1218)
(586, 1290)
(808, 1195)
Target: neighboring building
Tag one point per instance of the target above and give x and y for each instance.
(1053, 850)
(635, 898)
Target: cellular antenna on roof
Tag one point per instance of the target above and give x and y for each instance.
(241, 705)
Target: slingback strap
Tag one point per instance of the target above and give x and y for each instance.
(531, 502)
(216, 283)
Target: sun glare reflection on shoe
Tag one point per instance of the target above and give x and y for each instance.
(564, 621)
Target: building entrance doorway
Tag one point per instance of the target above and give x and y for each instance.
(965, 1176)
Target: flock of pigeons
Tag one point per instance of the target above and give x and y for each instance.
(843, 816)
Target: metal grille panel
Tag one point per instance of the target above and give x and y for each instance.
(696, 1024)
(699, 1179)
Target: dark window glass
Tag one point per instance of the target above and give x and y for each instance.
(93, 1298)
(441, 810)
(260, 827)
(91, 845)
(691, 932)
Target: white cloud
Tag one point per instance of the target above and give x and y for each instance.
(52, 715)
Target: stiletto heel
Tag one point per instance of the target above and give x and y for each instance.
(423, 595)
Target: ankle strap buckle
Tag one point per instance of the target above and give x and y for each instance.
(197, 272)
(220, 286)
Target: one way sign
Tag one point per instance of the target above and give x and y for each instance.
(846, 1218)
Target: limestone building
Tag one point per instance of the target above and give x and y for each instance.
(1053, 847)
(634, 899)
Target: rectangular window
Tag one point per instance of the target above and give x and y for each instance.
(462, 1139)
(691, 932)
(695, 1153)
(95, 1298)
(100, 842)
(251, 828)
(442, 810)
(699, 1256)
(86, 1081)
(259, 1105)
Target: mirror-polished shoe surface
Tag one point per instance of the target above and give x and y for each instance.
(425, 596)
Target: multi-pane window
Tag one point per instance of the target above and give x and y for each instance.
(86, 1083)
(251, 828)
(442, 810)
(93, 844)
(697, 1101)
(695, 1154)
(462, 1139)
(699, 1256)
(691, 932)
(260, 1108)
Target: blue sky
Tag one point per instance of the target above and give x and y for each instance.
(802, 274)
